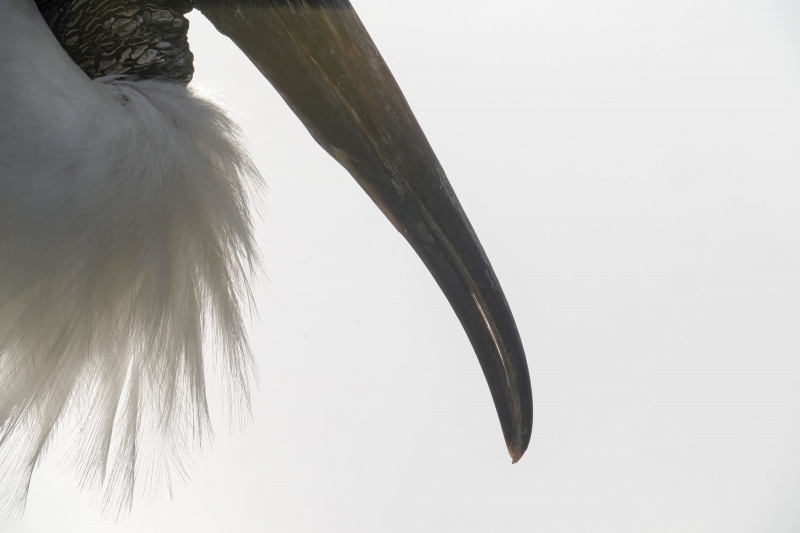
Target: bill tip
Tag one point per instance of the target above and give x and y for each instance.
(515, 453)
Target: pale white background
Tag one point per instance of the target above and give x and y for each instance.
(632, 170)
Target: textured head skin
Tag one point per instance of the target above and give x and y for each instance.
(144, 39)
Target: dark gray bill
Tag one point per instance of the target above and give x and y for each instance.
(321, 59)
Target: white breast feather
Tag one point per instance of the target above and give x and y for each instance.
(125, 245)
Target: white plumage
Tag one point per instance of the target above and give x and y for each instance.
(126, 246)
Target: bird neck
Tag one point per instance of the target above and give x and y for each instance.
(145, 39)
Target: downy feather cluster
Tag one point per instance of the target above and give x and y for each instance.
(125, 251)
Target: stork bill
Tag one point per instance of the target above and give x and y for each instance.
(125, 230)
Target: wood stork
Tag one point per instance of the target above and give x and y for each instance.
(126, 230)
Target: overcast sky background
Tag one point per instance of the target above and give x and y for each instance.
(632, 171)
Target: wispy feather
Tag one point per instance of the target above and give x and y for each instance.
(126, 245)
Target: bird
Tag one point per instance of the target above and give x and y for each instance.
(126, 245)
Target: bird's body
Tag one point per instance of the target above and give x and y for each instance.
(125, 226)
(115, 267)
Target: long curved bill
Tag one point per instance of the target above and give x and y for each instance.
(321, 59)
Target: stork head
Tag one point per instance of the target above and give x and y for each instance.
(322, 61)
